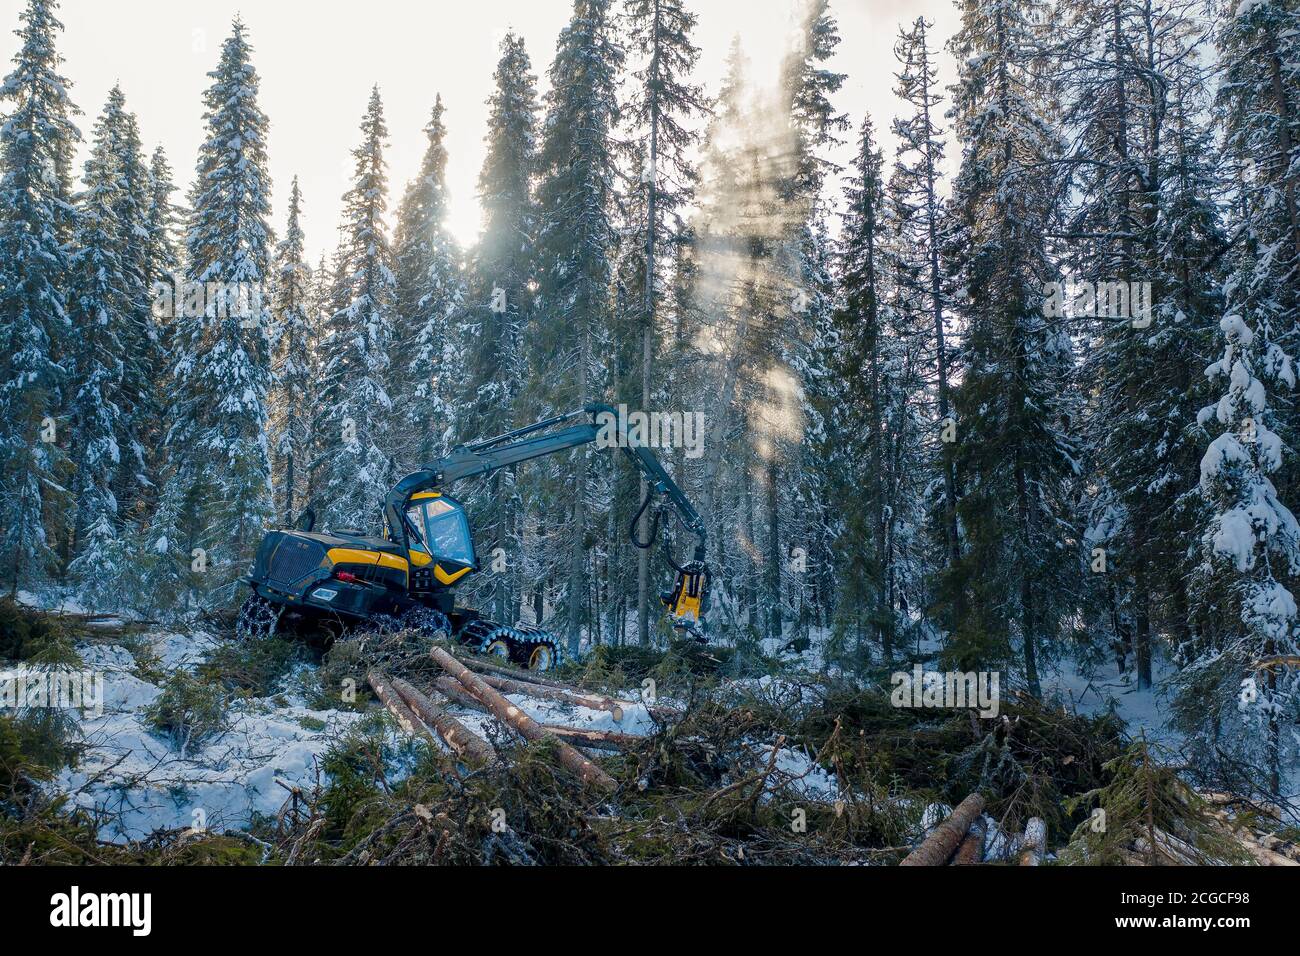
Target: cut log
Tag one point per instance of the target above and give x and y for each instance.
(592, 701)
(595, 739)
(468, 745)
(1034, 843)
(662, 712)
(485, 666)
(971, 850)
(944, 839)
(391, 700)
(528, 728)
(454, 691)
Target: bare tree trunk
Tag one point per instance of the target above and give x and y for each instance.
(647, 346)
(1027, 616)
(577, 557)
(1142, 634)
(774, 557)
(578, 546)
(288, 489)
(936, 308)
(750, 589)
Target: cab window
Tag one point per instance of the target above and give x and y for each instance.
(443, 528)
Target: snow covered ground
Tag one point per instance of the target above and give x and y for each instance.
(137, 783)
(1097, 690)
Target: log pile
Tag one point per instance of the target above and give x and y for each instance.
(481, 685)
(1263, 848)
(938, 848)
(418, 715)
(525, 726)
(472, 748)
(960, 840)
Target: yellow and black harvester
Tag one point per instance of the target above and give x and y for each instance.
(409, 574)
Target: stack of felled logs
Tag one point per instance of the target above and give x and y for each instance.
(479, 684)
(1266, 849)
(961, 835)
(960, 840)
(1242, 821)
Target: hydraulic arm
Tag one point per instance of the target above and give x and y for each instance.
(551, 436)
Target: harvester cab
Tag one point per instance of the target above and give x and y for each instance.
(427, 548)
(439, 545)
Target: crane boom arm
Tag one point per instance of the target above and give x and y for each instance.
(546, 437)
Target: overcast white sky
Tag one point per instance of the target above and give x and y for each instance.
(319, 58)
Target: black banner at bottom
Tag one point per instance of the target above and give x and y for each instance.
(340, 905)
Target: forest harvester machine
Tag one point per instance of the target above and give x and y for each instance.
(348, 578)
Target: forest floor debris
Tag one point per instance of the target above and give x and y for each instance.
(724, 761)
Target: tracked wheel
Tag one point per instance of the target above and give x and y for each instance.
(541, 657)
(524, 645)
(258, 619)
(539, 648)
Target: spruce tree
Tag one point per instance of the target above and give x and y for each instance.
(1258, 49)
(163, 259)
(493, 314)
(788, 423)
(1014, 458)
(160, 263)
(356, 427)
(220, 458)
(576, 193)
(664, 101)
(100, 304)
(427, 372)
(134, 483)
(293, 395)
(807, 85)
(37, 140)
(1142, 232)
(1244, 613)
(856, 416)
(921, 218)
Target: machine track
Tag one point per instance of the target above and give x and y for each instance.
(522, 644)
